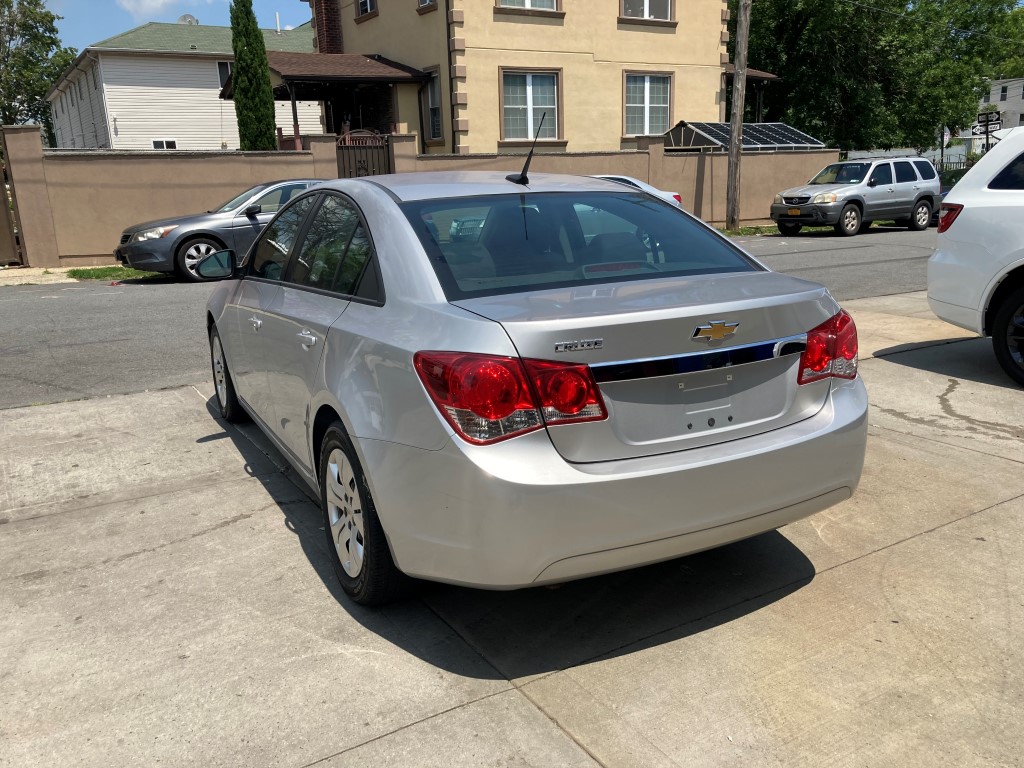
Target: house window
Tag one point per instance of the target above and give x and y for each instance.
(648, 9)
(434, 107)
(422, 3)
(364, 7)
(647, 104)
(526, 96)
(985, 99)
(1002, 93)
(165, 144)
(224, 70)
(545, 5)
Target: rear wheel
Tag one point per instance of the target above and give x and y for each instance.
(921, 216)
(849, 221)
(190, 254)
(1008, 335)
(789, 228)
(357, 545)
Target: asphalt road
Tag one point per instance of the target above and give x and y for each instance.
(82, 340)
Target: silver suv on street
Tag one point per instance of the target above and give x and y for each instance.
(852, 194)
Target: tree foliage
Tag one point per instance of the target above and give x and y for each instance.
(31, 61)
(865, 74)
(250, 77)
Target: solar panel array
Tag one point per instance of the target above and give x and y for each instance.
(764, 136)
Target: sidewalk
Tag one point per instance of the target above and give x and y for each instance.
(167, 598)
(34, 275)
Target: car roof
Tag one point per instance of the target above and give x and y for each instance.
(429, 185)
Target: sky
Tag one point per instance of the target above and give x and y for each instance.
(88, 21)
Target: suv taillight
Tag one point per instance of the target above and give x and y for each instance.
(947, 215)
(487, 398)
(831, 350)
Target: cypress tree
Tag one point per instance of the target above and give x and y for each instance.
(250, 76)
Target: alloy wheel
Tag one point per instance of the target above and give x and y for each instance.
(219, 371)
(1015, 337)
(195, 254)
(922, 215)
(345, 512)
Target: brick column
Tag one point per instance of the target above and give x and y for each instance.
(23, 153)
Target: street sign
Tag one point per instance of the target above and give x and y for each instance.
(988, 117)
(991, 127)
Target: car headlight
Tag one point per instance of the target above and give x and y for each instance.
(825, 197)
(777, 200)
(152, 234)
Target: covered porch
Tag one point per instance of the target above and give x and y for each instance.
(360, 94)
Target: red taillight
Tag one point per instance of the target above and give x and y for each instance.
(487, 398)
(831, 350)
(567, 392)
(947, 215)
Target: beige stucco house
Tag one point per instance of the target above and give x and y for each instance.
(599, 72)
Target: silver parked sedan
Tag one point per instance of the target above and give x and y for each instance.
(178, 245)
(586, 379)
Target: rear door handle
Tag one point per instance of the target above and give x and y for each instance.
(307, 338)
(256, 322)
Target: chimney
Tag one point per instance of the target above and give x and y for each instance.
(327, 24)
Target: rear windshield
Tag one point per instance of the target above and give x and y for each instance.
(841, 173)
(481, 246)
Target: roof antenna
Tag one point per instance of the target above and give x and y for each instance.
(522, 178)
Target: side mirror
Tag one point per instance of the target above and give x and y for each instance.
(217, 266)
(253, 209)
(872, 182)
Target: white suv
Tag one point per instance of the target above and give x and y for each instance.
(976, 275)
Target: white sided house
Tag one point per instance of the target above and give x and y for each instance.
(158, 87)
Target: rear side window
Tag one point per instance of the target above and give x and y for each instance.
(925, 169)
(324, 245)
(1011, 177)
(270, 257)
(904, 172)
(882, 174)
(494, 244)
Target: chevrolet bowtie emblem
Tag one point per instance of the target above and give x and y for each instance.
(716, 330)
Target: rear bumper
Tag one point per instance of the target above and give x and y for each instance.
(516, 514)
(955, 287)
(809, 214)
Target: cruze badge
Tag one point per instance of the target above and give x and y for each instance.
(581, 344)
(715, 330)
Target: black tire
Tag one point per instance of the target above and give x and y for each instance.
(1008, 335)
(789, 228)
(362, 559)
(188, 255)
(230, 409)
(850, 221)
(921, 216)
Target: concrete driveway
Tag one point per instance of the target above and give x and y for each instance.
(166, 599)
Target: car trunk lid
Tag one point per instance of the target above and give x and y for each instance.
(681, 362)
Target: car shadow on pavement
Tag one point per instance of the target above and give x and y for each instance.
(528, 632)
(961, 359)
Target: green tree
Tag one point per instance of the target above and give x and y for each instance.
(1012, 63)
(865, 74)
(250, 77)
(31, 61)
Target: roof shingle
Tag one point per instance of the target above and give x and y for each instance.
(201, 38)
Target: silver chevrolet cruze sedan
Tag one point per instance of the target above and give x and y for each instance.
(501, 384)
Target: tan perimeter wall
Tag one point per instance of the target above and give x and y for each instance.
(73, 205)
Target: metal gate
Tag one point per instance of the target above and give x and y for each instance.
(363, 155)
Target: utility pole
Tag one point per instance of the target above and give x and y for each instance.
(739, 89)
